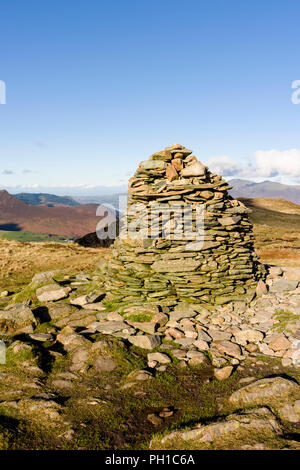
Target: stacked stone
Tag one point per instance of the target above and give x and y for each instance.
(219, 267)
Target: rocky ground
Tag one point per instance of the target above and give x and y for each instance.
(81, 373)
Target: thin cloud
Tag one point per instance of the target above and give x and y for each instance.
(224, 165)
(40, 144)
(7, 172)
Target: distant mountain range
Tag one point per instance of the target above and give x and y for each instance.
(241, 188)
(46, 199)
(17, 215)
(266, 189)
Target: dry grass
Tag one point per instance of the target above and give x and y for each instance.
(277, 246)
(277, 230)
(274, 204)
(19, 261)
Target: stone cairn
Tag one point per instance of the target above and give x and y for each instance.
(214, 267)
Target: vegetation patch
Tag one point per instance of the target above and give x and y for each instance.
(285, 319)
(142, 317)
(34, 237)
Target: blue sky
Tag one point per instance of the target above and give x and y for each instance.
(93, 87)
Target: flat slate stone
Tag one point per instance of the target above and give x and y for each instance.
(173, 266)
(52, 292)
(283, 285)
(109, 327)
(145, 341)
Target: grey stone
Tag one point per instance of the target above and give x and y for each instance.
(265, 391)
(52, 292)
(196, 169)
(249, 334)
(41, 278)
(185, 342)
(218, 335)
(229, 348)
(159, 357)
(42, 337)
(109, 327)
(145, 341)
(257, 419)
(153, 165)
(104, 364)
(181, 265)
(229, 220)
(283, 285)
(261, 288)
(223, 373)
(16, 319)
(290, 412)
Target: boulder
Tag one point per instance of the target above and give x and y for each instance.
(158, 357)
(278, 342)
(290, 412)
(248, 334)
(229, 348)
(42, 278)
(104, 364)
(196, 169)
(261, 288)
(283, 285)
(52, 292)
(264, 391)
(223, 373)
(16, 319)
(259, 419)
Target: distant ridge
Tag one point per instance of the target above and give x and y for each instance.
(46, 199)
(265, 189)
(17, 215)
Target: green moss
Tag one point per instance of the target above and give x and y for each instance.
(61, 364)
(28, 293)
(45, 327)
(34, 237)
(142, 317)
(111, 306)
(14, 359)
(285, 318)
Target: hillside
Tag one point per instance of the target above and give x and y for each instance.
(278, 204)
(266, 189)
(16, 215)
(275, 212)
(46, 199)
(277, 230)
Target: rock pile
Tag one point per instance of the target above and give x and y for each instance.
(163, 256)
